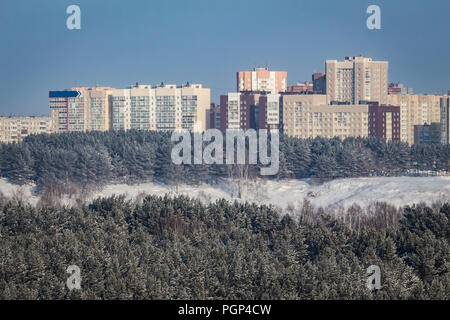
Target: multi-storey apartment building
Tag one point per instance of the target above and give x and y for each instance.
(141, 107)
(81, 109)
(214, 116)
(238, 110)
(295, 110)
(427, 133)
(384, 121)
(165, 107)
(15, 129)
(308, 116)
(328, 121)
(415, 109)
(356, 79)
(319, 83)
(269, 112)
(250, 110)
(262, 79)
(445, 119)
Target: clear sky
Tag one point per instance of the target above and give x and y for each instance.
(207, 41)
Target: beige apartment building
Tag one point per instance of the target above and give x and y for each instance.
(165, 107)
(141, 107)
(15, 129)
(81, 109)
(309, 116)
(416, 109)
(262, 79)
(356, 79)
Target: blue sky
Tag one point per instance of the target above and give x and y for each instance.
(207, 41)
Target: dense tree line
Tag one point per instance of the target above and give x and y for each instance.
(74, 160)
(179, 248)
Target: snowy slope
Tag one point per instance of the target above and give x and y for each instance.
(398, 191)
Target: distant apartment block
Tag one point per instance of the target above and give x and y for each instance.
(15, 129)
(327, 121)
(308, 116)
(262, 79)
(269, 113)
(81, 109)
(319, 83)
(214, 116)
(398, 88)
(238, 110)
(140, 107)
(427, 134)
(384, 121)
(415, 109)
(445, 120)
(356, 79)
(165, 107)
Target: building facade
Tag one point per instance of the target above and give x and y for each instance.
(326, 121)
(239, 110)
(140, 107)
(427, 134)
(356, 79)
(214, 116)
(81, 109)
(269, 112)
(15, 129)
(384, 121)
(262, 79)
(445, 120)
(165, 107)
(415, 109)
(319, 83)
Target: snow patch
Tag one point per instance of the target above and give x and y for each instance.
(398, 191)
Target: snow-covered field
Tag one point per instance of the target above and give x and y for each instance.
(398, 191)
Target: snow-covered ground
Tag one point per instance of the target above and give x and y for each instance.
(398, 191)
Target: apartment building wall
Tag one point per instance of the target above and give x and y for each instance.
(415, 109)
(269, 112)
(445, 120)
(81, 109)
(384, 121)
(214, 116)
(328, 121)
(292, 108)
(261, 79)
(15, 129)
(356, 79)
(319, 83)
(140, 107)
(427, 134)
(238, 110)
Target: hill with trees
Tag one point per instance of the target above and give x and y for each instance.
(74, 160)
